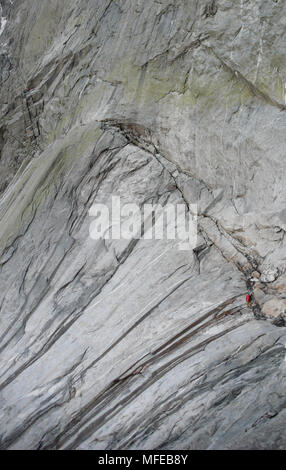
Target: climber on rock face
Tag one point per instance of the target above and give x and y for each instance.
(248, 298)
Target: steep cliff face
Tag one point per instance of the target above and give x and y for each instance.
(135, 343)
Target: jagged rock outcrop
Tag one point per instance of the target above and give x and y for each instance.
(109, 344)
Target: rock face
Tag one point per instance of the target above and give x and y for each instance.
(135, 344)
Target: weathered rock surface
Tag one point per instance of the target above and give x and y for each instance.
(136, 344)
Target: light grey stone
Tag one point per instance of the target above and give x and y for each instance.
(136, 344)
